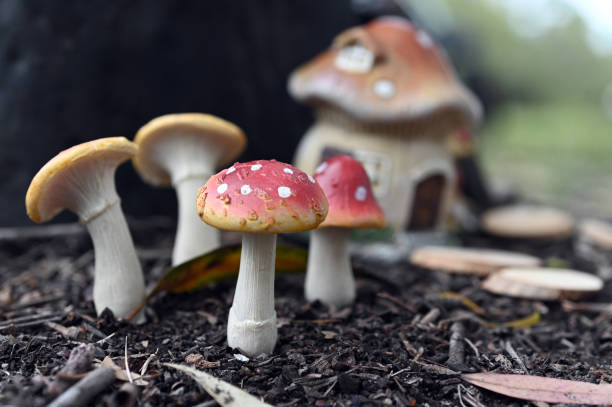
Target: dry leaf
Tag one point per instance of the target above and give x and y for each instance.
(121, 374)
(227, 395)
(220, 264)
(538, 388)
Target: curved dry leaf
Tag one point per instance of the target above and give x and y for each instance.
(538, 388)
(227, 395)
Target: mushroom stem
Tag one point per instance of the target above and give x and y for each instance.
(252, 319)
(329, 277)
(118, 281)
(193, 237)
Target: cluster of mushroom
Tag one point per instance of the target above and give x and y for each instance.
(181, 149)
(265, 197)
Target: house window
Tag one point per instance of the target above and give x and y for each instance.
(427, 203)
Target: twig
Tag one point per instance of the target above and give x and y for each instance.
(15, 307)
(515, 356)
(474, 348)
(396, 301)
(27, 318)
(30, 324)
(456, 348)
(431, 316)
(78, 362)
(86, 389)
(105, 339)
(127, 365)
(143, 370)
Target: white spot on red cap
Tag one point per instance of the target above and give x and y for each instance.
(321, 168)
(255, 167)
(384, 88)
(245, 189)
(222, 188)
(230, 170)
(287, 170)
(424, 39)
(311, 179)
(284, 192)
(361, 193)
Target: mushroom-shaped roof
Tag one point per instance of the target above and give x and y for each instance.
(384, 71)
(51, 189)
(224, 138)
(264, 196)
(351, 201)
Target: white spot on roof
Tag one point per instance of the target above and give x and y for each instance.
(361, 193)
(230, 170)
(321, 168)
(284, 192)
(287, 170)
(222, 188)
(255, 167)
(384, 88)
(424, 39)
(245, 189)
(311, 179)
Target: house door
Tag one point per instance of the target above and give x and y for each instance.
(427, 203)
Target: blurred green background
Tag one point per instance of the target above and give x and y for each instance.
(544, 70)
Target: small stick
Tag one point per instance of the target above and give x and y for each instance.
(456, 348)
(127, 365)
(28, 318)
(86, 389)
(515, 356)
(15, 307)
(30, 324)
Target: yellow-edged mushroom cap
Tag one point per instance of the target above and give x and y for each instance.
(161, 139)
(51, 189)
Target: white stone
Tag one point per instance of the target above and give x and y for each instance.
(284, 192)
(222, 188)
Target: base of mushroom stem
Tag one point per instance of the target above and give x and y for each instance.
(252, 338)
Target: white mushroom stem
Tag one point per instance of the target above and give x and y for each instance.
(252, 319)
(189, 159)
(193, 237)
(329, 277)
(118, 281)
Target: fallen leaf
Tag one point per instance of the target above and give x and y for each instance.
(538, 388)
(464, 300)
(217, 265)
(227, 395)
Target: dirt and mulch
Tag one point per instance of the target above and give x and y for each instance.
(405, 341)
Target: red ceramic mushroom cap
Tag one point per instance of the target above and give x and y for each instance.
(405, 76)
(263, 196)
(349, 193)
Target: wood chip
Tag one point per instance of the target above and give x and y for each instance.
(542, 283)
(597, 232)
(470, 260)
(528, 222)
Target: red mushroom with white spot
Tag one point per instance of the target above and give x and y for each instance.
(352, 204)
(260, 198)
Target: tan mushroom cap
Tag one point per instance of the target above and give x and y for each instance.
(229, 139)
(413, 73)
(528, 222)
(42, 200)
(466, 260)
(597, 231)
(542, 283)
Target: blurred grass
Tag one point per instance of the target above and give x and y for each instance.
(559, 154)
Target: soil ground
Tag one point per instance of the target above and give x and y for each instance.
(390, 348)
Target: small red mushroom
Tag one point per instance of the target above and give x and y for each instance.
(260, 198)
(352, 204)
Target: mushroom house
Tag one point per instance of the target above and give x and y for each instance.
(386, 94)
